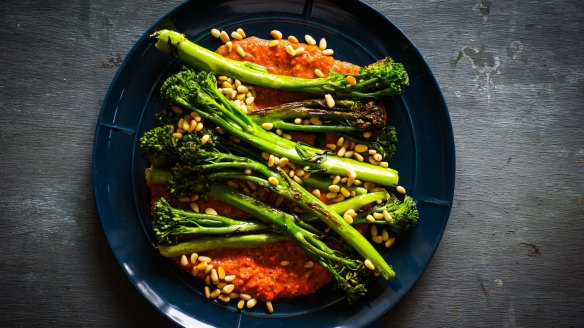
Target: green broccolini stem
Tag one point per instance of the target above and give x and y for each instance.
(383, 78)
(202, 244)
(358, 201)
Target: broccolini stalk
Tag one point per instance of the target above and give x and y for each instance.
(382, 78)
(347, 117)
(358, 201)
(207, 243)
(172, 223)
(199, 93)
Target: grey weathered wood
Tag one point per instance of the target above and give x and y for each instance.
(511, 74)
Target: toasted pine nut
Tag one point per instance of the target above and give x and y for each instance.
(297, 179)
(322, 44)
(308, 264)
(273, 180)
(240, 304)
(210, 210)
(267, 126)
(195, 207)
(367, 134)
(298, 51)
(385, 234)
(361, 148)
(229, 45)
(205, 138)
(374, 231)
(224, 298)
(241, 52)
(345, 192)
(309, 39)
(215, 33)
(221, 273)
(215, 293)
(327, 52)
(290, 50)
(316, 193)
(369, 264)
(228, 289)
(348, 218)
(401, 190)
(236, 36)
(370, 218)
(318, 72)
(241, 32)
(214, 276)
(292, 39)
(251, 303)
(331, 195)
(229, 278)
(184, 261)
(273, 43)
(330, 102)
(276, 34)
(224, 37)
(270, 307)
(245, 297)
(390, 242)
(334, 188)
(204, 259)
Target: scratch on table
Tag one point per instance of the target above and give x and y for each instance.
(532, 250)
(114, 60)
(498, 283)
(482, 286)
(514, 49)
(485, 63)
(483, 9)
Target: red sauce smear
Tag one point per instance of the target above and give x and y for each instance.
(278, 61)
(259, 271)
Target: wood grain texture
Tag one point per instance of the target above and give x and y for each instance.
(512, 77)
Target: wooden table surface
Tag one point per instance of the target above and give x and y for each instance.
(512, 76)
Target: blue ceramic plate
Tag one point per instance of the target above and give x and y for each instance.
(357, 33)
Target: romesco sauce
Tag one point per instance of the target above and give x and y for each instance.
(278, 61)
